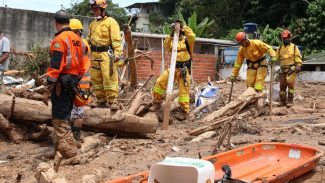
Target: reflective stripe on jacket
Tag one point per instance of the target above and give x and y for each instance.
(84, 83)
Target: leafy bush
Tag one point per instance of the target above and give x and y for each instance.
(38, 62)
(200, 29)
(231, 34)
(272, 36)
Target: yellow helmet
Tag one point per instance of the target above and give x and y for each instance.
(98, 3)
(75, 24)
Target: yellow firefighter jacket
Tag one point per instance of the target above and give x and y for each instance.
(106, 32)
(253, 52)
(289, 55)
(182, 54)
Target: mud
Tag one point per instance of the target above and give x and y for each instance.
(125, 156)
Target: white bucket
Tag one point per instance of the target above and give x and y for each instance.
(182, 170)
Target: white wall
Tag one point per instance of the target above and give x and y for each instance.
(312, 76)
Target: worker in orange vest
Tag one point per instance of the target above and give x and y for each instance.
(290, 64)
(83, 94)
(65, 71)
(254, 51)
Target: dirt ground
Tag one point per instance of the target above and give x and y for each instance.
(125, 156)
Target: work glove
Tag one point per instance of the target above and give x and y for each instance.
(274, 59)
(119, 61)
(233, 78)
(48, 88)
(298, 69)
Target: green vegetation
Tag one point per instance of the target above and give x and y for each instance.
(82, 8)
(200, 29)
(38, 61)
(223, 18)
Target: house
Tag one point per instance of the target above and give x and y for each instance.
(207, 56)
(313, 68)
(142, 12)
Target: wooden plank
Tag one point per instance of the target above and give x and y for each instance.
(170, 85)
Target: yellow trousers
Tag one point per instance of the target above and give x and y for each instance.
(184, 88)
(105, 85)
(256, 76)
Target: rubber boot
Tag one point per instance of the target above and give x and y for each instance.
(283, 98)
(66, 144)
(155, 107)
(182, 115)
(76, 133)
(290, 99)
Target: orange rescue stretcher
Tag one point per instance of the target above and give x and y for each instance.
(261, 162)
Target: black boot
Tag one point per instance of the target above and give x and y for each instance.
(76, 131)
(290, 99)
(283, 98)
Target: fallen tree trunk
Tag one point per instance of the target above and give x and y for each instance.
(250, 94)
(98, 119)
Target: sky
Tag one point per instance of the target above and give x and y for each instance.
(55, 5)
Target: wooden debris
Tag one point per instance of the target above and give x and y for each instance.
(205, 135)
(249, 95)
(131, 50)
(322, 143)
(15, 133)
(216, 124)
(144, 85)
(294, 110)
(201, 107)
(13, 72)
(136, 103)
(170, 86)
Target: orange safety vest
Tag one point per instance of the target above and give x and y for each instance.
(66, 55)
(84, 83)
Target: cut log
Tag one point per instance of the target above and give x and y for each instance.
(98, 119)
(201, 107)
(136, 103)
(15, 133)
(13, 72)
(250, 94)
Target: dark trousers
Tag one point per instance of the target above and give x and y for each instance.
(62, 97)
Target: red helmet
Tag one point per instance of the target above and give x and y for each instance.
(286, 34)
(240, 36)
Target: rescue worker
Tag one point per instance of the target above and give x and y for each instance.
(77, 114)
(183, 70)
(106, 54)
(290, 64)
(65, 70)
(254, 51)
